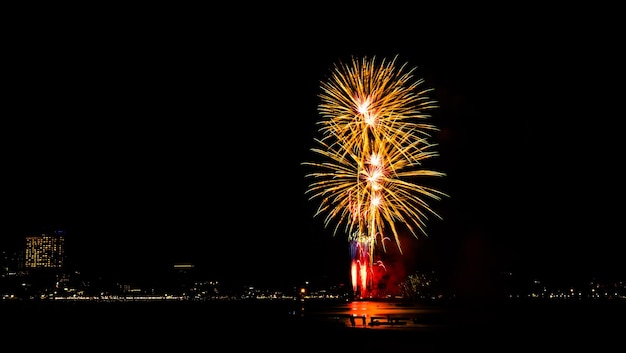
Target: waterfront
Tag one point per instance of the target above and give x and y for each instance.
(312, 325)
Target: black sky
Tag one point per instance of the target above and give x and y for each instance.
(178, 137)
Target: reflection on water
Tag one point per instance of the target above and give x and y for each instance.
(598, 320)
(306, 325)
(376, 315)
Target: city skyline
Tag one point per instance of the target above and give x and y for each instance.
(40, 271)
(160, 145)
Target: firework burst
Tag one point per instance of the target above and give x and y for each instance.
(375, 136)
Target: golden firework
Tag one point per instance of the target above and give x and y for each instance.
(375, 136)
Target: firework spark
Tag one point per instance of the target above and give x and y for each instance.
(374, 138)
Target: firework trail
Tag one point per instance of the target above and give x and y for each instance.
(374, 138)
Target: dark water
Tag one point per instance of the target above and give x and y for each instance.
(289, 326)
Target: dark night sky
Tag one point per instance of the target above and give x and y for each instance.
(153, 139)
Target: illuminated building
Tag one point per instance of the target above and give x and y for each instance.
(45, 251)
